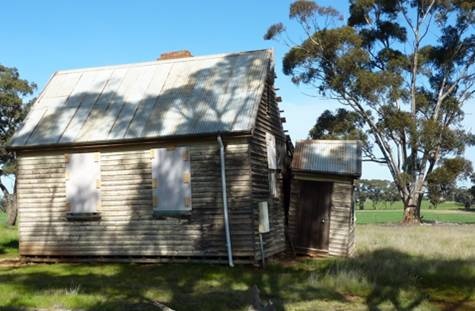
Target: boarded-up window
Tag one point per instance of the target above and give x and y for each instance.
(83, 175)
(273, 184)
(272, 163)
(171, 175)
(271, 151)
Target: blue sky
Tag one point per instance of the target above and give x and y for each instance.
(40, 37)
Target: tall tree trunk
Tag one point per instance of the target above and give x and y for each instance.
(12, 210)
(11, 206)
(412, 209)
(419, 203)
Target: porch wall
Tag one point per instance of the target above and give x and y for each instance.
(342, 228)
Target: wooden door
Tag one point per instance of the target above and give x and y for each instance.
(313, 217)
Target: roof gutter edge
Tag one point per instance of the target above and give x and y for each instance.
(129, 142)
(304, 171)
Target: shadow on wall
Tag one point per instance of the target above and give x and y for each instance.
(384, 278)
(198, 105)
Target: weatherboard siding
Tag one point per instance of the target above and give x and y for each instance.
(342, 227)
(127, 226)
(293, 209)
(268, 120)
(341, 220)
(121, 112)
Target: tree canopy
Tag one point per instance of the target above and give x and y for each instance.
(13, 108)
(442, 181)
(405, 67)
(341, 124)
(376, 190)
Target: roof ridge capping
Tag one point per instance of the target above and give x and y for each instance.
(269, 51)
(315, 141)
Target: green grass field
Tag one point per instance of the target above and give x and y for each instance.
(385, 213)
(425, 205)
(8, 239)
(429, 216)
(429, 267)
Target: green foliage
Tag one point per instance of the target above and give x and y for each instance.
(472, 189)
(407, 86)
(377, 191)
(13, 108)
(441, 182)
(342, 124)
(425, 205)
(464, 196)
(274, 30)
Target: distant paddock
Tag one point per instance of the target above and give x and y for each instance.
(429, 216)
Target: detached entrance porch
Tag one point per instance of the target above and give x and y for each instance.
(321, 213)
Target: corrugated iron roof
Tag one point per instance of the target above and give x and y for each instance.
(194, 95)
(339, 157)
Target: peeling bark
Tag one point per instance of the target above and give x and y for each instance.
(11, 206)
(12, 210)
(412, 211)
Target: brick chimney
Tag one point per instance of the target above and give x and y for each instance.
(175, 54)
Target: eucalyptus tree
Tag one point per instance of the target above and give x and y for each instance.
(406, 67)
(14, 104)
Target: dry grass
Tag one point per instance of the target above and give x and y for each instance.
(429, 267)
(410, 267)
(430, 241)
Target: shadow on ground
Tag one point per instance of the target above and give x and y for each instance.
(466, 209)
(8, 245)
(386, 278)
(8, 240)
(404, 281)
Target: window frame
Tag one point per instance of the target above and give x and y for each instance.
(180, 158)
(75, 213)
(272, 164)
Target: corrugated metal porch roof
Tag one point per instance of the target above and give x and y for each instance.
(339, 157)
(195, 95)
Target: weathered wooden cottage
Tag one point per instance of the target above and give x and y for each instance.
(321, 213)
(174, 159)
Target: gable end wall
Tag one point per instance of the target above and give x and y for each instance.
(268, 120)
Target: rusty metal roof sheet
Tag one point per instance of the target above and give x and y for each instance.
(338, 157)
(193, 95)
